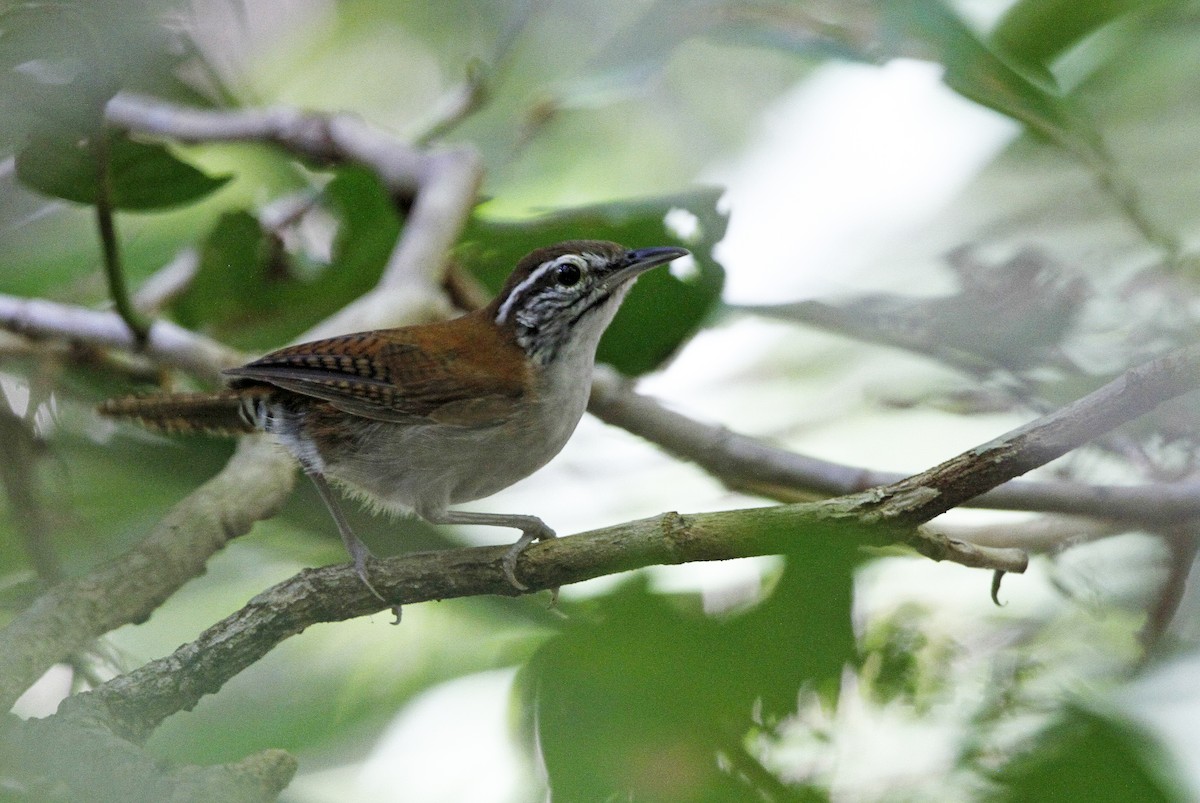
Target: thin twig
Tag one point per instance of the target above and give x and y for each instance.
(470, 95)
(110, 245)
(1136, 392)
(1045, 534)
(1182, 545)
(442, 185)
(475, 90)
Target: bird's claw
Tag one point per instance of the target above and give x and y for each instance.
(509, 562)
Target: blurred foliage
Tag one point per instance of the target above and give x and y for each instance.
(1088, 756)
(1035, 32)
(975, 71)
(61, 60)
(254, 293)
(593, 121)
(1006, 317)
(905, 663)
(638, 695)
(141, 176)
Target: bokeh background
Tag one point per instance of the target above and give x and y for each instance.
(987, 209)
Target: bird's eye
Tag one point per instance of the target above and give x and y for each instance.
(568, 274)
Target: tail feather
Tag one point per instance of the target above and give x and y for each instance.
(226, 412)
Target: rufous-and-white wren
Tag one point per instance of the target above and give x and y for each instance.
(423, 417)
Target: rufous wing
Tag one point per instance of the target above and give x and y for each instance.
(427, 374)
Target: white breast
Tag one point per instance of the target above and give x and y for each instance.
(428, 467)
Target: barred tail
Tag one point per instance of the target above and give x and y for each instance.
(226, 412)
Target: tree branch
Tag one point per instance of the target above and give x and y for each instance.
(167, 344)
(136, 703)
(442, 185)
(746, 463)
(61, 751)
(322, 138)
(72, 614)
(1136, 392)
(740, 461)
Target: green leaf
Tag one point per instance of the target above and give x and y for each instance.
(662, 311)
(245, 291)
(368, 232)
(640, 693)
(1086, 756)
(144, 176)
(980, 74)
(1035, 32)
(231, 282)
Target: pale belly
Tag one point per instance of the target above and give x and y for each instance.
(428, 467)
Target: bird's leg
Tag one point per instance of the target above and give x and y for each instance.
(532, 529)
(357, 549)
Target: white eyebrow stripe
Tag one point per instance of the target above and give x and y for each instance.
(529, 281)
(519, 290)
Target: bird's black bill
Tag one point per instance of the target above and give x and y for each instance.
(645, 258)
(641, 260)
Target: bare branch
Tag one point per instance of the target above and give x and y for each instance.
(251, 487)
(1182, 546)
(442, 186)
(1045, 534)
(167, 283)
(326, 139)
(135, 703)
(1136, 392)
(168, 344)
(748, 464)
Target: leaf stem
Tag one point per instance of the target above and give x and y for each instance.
(106, 223)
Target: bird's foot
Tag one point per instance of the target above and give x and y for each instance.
(509, 562)
(362, 555)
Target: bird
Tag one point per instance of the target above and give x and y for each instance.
(418, 418)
